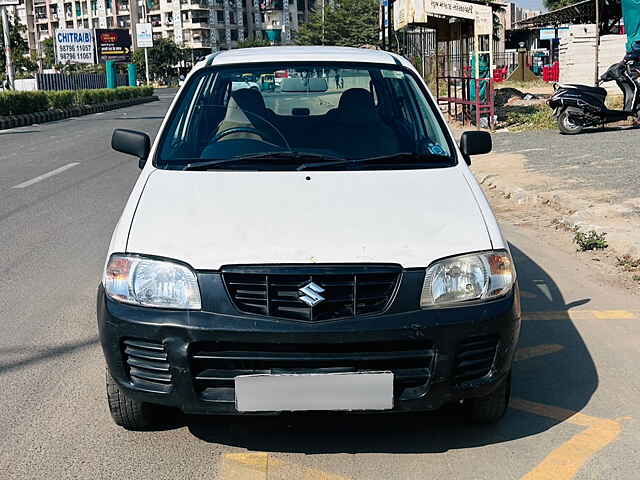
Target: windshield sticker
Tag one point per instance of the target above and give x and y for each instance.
(392, 74)
(435, 149)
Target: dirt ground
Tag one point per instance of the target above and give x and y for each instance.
(555, 210)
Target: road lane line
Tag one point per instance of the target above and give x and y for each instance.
(614, 315)
(262, 466)
(44, 176)
(583, 315)
(526, 353)
(244, 466)
(564, 462)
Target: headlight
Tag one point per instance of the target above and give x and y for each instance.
(151, 283)
(480, 276)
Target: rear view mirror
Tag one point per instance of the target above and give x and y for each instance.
(133, 143)
(475, 143)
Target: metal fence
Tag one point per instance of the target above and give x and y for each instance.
(76, 81)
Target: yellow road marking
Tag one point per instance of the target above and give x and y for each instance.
(262, 466)
(613, 315)
(537, 351)
(565, 461)
(583, 315)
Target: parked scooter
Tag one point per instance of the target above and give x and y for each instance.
(579, 106)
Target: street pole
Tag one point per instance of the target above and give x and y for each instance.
(7, 47)
(146, 64)
(597, 73)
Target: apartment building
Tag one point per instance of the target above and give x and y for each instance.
(200, 25)
(515, 14)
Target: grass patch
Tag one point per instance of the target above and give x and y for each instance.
(525, 86)
(629, 263)
(534, 117)
(590, 241)
(615, 102)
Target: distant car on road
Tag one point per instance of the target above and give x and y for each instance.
(306, 251)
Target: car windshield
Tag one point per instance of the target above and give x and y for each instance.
(304, 116)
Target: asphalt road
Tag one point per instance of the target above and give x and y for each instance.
(602, 159)
(574, 414)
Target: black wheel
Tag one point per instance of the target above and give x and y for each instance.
(567, 125)
(129, 414)
(492, 408)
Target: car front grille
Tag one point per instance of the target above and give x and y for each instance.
(346, 291)
(214, 365)
(475, 358)
(147, 364)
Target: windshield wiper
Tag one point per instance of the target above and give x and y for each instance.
(396, 157)
(297, 156)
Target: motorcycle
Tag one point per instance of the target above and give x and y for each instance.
(579, 106)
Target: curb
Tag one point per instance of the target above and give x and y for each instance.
(52, 115)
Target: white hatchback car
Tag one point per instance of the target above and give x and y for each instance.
(323, 247)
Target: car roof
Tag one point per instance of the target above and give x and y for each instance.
(301, 54)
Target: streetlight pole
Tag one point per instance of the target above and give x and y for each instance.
(7, 47)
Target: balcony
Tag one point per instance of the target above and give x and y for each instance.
(203, 5)
(196, 25)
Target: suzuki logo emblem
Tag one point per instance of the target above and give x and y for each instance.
(311, 294)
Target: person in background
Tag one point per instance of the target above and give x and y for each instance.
(631, 15)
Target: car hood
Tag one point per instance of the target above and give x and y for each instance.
(216, 218)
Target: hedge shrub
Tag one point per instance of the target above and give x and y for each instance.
(16, 103)
(62, 100)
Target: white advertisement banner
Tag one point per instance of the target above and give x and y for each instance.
(407, 12)
(74, 45)
(144, 35)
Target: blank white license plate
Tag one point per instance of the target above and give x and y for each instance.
(314, 391)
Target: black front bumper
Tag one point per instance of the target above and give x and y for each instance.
(188, 359)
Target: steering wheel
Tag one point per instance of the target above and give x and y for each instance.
(252, 130)
(232, 130)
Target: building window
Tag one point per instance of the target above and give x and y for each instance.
(234, 35)
(232, 18)
(220, 16)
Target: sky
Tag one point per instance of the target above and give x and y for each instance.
(532, 4)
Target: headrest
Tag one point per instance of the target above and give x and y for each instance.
(249, 100)
(356, 106)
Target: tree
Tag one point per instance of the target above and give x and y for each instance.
(555, 4)
(163, 58)
(23, 64)
(349, 23)
(48, 53)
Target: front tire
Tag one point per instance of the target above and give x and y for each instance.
(127, 413)
(490, 409)
(568, 126)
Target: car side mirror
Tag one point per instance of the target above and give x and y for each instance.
(133, 143)
(475, 143)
